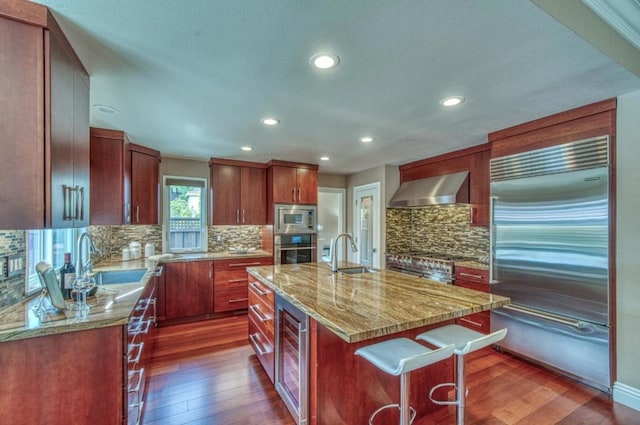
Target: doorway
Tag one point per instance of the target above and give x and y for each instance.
(331, 222)
(366, 224)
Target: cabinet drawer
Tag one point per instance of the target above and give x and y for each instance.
(242, 263)
(230, 300)
(262, 291)
(480, 322)
(263, 317)
(263, 348)
(229, 280)
(472, 285)
(472, 275)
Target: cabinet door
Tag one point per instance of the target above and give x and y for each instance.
(188, 289)
(22, 126)
(144, 188)
(225, 194)
(284, 184)
(107, 182)
(307, 186)
(253, 195)
(81, 147)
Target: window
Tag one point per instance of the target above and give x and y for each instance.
(47, 245)
(185, 214)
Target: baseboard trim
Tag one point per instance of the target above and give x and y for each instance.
(624, 394)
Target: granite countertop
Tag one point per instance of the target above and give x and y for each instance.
(358, 307)
(111, 306)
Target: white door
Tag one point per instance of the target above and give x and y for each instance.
(331, 222)
(366, 223)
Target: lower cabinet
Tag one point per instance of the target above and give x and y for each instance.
(137, 353)
(230, 282)
(188, 289)
(261, 324)
(477, 279)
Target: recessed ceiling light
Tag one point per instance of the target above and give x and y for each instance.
(106, 109)
(366, 139)
(324, 60)
(452, 101)
(270, 121)
(324, 158)
(246, 148)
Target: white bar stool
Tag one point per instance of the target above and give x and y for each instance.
(465, 341)
(400, 356)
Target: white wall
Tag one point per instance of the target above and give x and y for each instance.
(627, 388)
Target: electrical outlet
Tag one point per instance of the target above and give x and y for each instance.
(15, 265)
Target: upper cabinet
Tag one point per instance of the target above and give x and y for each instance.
(124, 180)
(238, 192)
(44, 122)
(291, 183)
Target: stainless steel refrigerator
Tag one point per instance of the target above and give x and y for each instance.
(550, 254)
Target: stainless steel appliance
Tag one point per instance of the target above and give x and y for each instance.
(430, 265)
(291, 368)
(295, 249)
(295, 219)
(550, 254)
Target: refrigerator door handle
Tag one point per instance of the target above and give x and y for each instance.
(492, 248)
(578, 324)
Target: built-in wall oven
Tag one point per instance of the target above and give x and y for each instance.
(295, 219)
(295, 248)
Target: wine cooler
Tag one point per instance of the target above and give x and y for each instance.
(291, 368)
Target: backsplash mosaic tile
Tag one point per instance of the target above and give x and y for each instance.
(234, 237)
(12, 242)
(437, 228)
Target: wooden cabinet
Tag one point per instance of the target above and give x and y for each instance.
(230, 282)
(124, 180)
(262, 324)
(44, 122)
(238, 192)
(477, 279)
(290, 183)
(188, 289)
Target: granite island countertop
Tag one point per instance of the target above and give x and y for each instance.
(358, 307)
(111, 306)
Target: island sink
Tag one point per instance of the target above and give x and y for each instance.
(357, 270)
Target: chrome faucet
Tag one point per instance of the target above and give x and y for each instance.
(333, 251)
(80, 264)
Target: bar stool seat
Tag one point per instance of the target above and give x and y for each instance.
(465, 341)
(400, 356)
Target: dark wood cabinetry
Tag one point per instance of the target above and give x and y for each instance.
(238, 192)
(230, 282)
(124, 180)
(475, 160)
(44, 122)
(188, 289)
(262, 324)
(476, 279)
(291, 183)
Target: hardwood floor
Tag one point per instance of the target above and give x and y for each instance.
(206, 373)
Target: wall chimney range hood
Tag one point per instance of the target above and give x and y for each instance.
(438, 190)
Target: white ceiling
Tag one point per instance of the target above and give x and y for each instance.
(193, 78)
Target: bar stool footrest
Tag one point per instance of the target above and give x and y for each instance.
(387, 406)
(443, 402)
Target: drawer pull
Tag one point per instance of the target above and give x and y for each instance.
(261, 317)
(142, 329)
(476, 276)
(136, 388)
(471, 322)
(259, 290)
(257, 263)
(237, 280)
(254, 340)
(132, 347)
(238, 300)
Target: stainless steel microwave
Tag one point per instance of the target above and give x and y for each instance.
(295, 219)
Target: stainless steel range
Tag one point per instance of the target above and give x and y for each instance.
(430, 265)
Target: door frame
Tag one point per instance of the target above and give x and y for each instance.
(377, 188)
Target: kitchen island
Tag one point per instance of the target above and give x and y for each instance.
(347, 311)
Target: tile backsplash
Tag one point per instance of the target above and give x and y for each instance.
(438, 228)
(12, 242)
(234, 237)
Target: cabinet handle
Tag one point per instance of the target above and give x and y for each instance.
(136, 359)
(261, 351)
(136, 387)
(257, 263)
(243, 216)
(76, 208)
(238, 300)
(66, 207)
(237, 216)
(137, 213)
(293, 194)
(298, 194)
(261, 317)
(237, 280)
(127, 214)
(476, 276)
(259, 290)
(82, 203)
(462, 319)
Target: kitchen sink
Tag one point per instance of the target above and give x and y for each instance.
(357, 270)
(110, 277)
